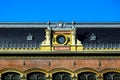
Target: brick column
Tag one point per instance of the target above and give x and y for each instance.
(75, 77)
(23, 77)
(49, 77)
(99, 77)
(0, 77)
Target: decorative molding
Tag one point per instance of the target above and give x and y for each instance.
(35, 69)
(106, 70)
(87, 69)
(5, 70)
(60, 70)
(56, 70)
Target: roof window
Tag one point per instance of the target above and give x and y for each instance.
(93, 37)
(29, 37)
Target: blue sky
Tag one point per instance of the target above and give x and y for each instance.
(59, 10)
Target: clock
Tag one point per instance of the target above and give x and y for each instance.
(61, 39)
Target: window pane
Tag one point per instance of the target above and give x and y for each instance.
(36, 76)
(87, 76)
(112, 76)
(11, 76)
(61, 76)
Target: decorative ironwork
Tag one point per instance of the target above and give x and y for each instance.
(112, 76)
(101, 45)
(36, 76)
(87, 76)
(61, 76)
(99, 63)
(10, 76)
(49, 64)
(24, 63)
(75, 64)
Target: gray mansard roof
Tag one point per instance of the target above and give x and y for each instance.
(17, 37)
(90, 34)
(45, 24)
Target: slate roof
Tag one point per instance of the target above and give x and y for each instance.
(45, 24)
(105, 37)
(17, 37)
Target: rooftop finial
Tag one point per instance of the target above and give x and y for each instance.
(48, 24)
(60, 24)
(73, 24)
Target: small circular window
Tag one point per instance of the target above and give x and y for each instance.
(61, 39)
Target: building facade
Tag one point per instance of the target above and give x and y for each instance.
(59, 51)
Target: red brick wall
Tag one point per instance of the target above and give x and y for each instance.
(52, 64)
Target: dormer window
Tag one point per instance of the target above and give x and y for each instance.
(93, 37)
(29, 37)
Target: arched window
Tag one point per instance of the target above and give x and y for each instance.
(61, 76)
(36, 76)
(87, 76)
(10, 76)
(111, 76)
